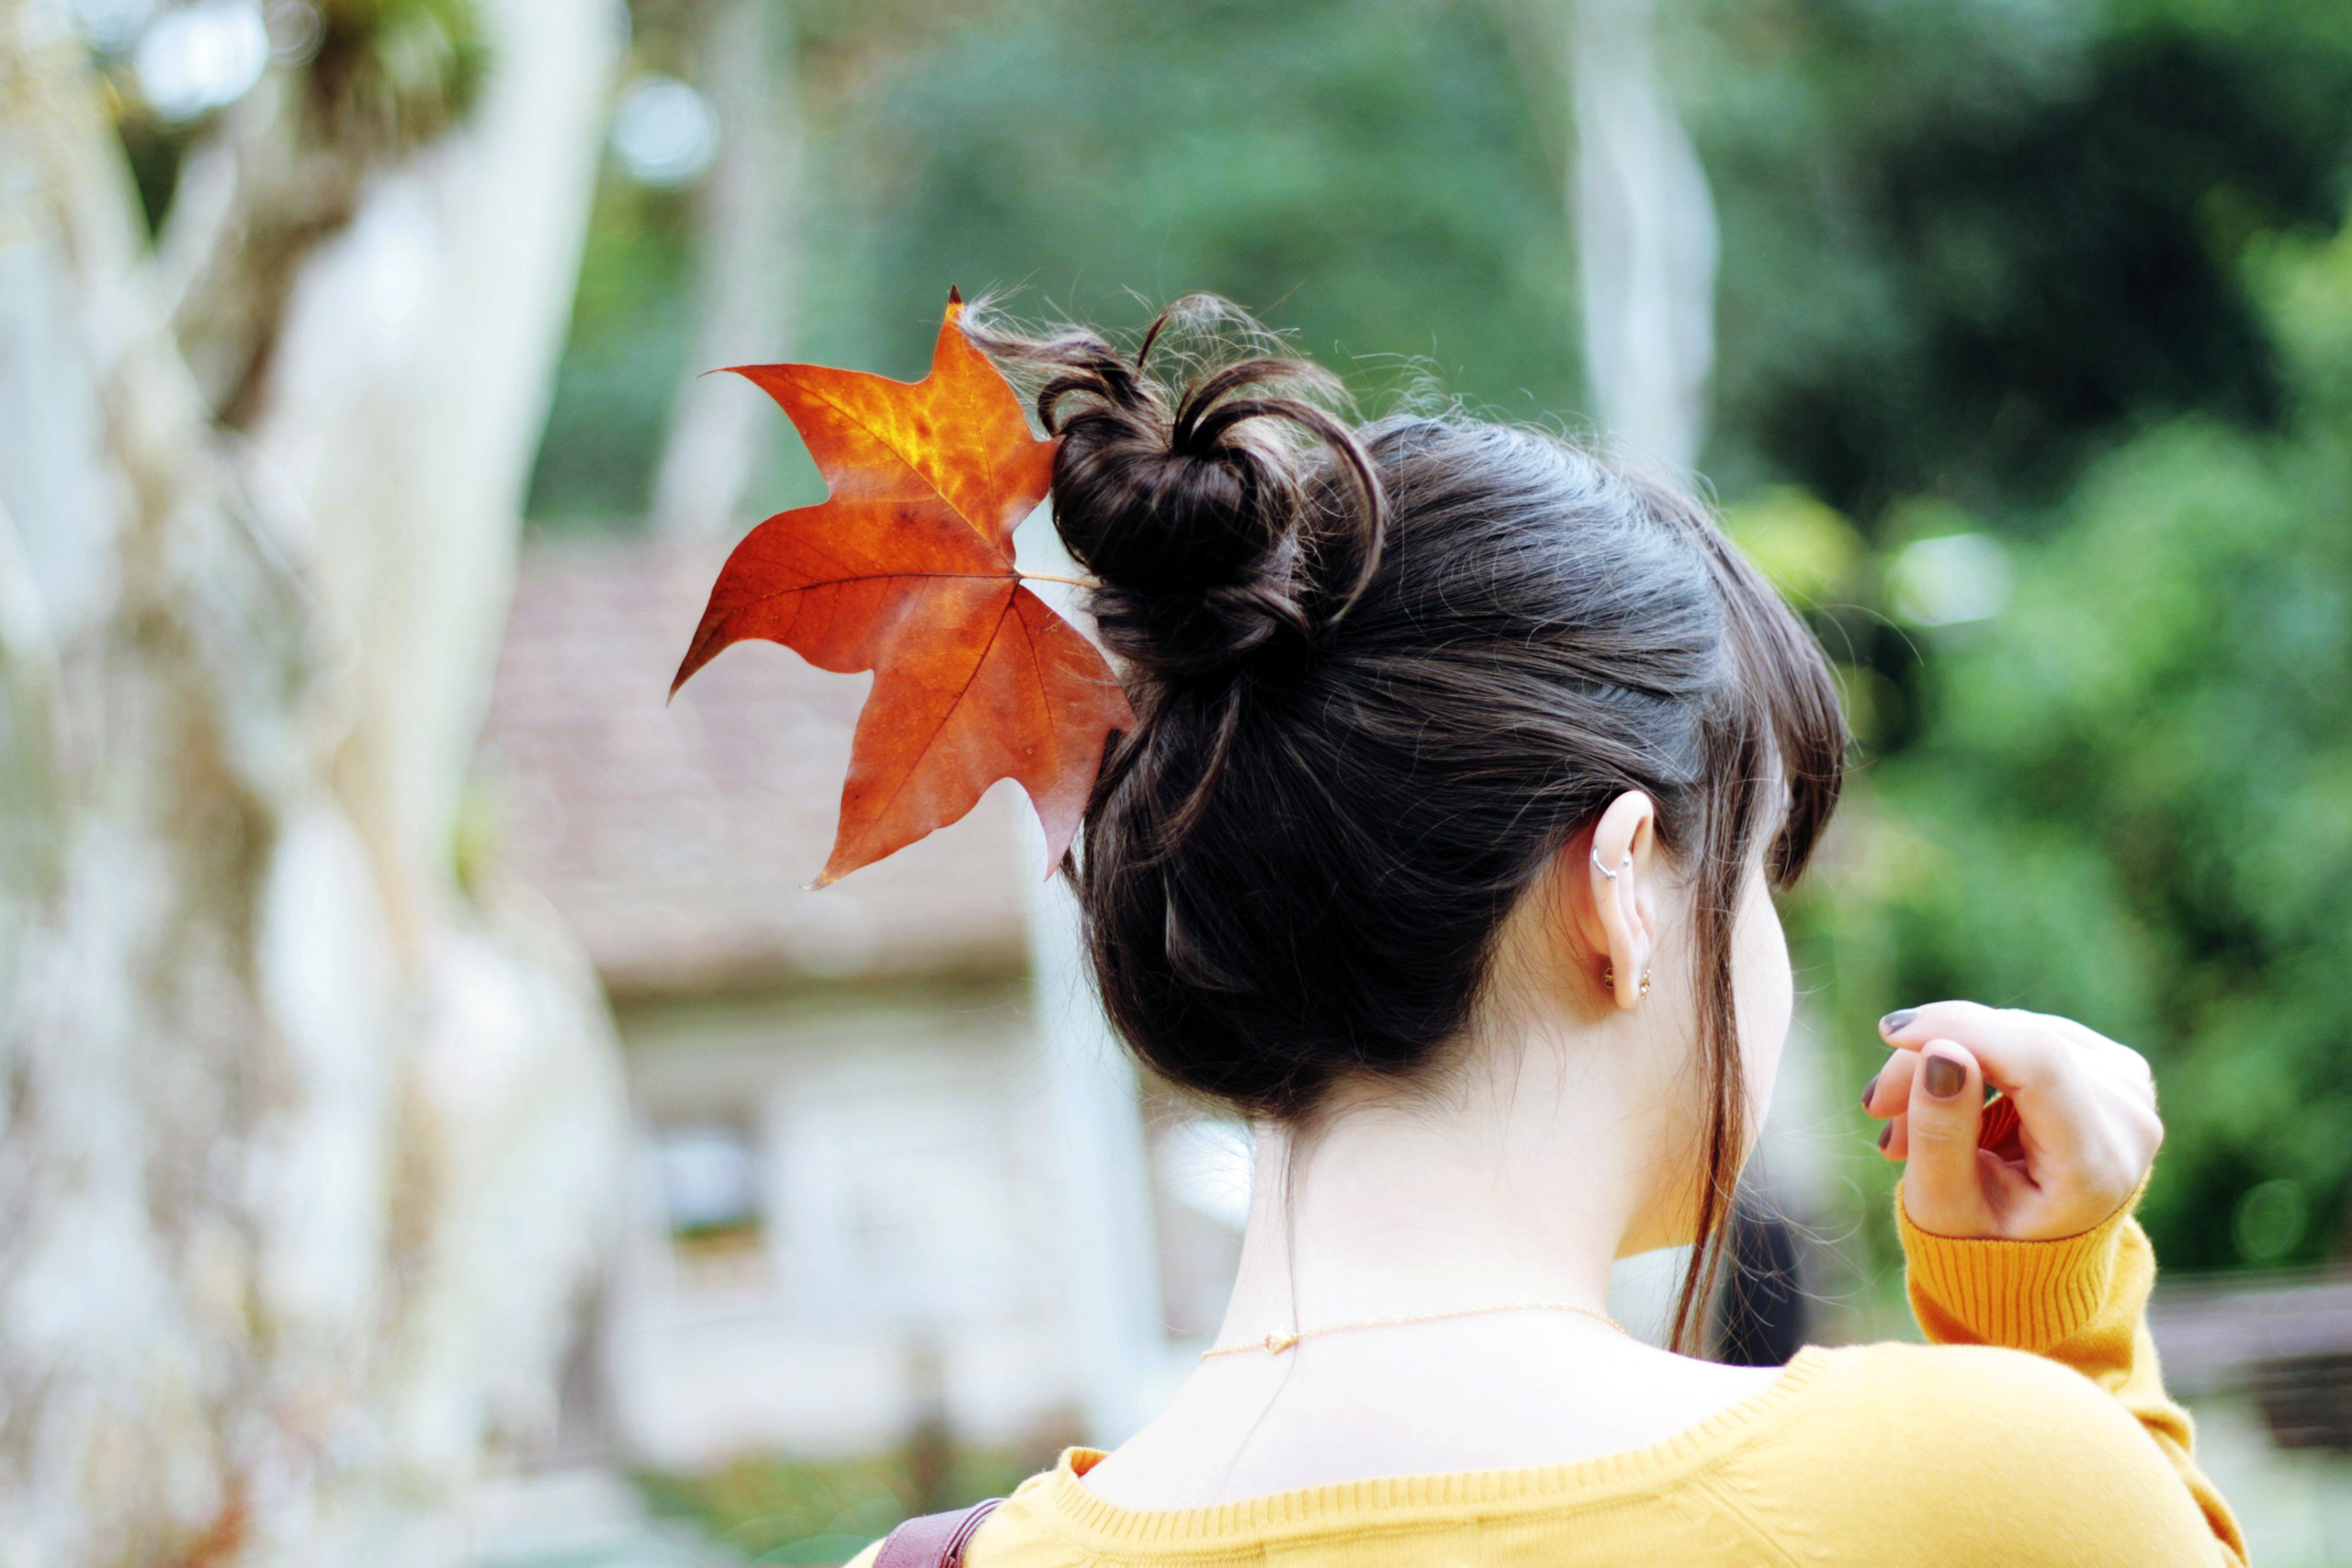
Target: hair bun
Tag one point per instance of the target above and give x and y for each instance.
(1208, 524)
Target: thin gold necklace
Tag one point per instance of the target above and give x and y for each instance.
(1276, 1344)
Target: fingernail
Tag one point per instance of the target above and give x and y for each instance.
(1885, 1134)
(1944, 1077)
(1868, 1089)
(1896, 1019)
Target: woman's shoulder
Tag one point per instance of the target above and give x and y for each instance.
(1901, 1369)
(1969, 1395)
(1969, 1442)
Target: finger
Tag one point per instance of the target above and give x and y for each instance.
(1893, 1140)
(2040, 1068)
(1941, 1184)
(1888, 1093)
(2007, 1044)
(1888, 1096)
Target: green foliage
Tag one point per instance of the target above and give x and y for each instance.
(2131, 800)
(795, 1514)
(397, 73)
(1964, 244)
(1986, 269)
(1362, 170)
(620, 369)
(385, 77)
(1809, 552)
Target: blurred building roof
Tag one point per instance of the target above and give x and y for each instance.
(678, 841)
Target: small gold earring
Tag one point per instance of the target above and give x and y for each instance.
(1609, 979)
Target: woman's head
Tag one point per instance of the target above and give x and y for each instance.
(1384, 678)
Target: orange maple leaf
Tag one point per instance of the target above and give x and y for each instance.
(906, 570)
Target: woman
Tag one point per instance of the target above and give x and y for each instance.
(1465, 767)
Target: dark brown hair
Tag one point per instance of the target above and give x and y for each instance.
(1381, 675)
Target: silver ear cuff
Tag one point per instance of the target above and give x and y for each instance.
(1604, 869)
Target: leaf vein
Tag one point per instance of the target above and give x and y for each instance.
(890, 447)
(948, 712)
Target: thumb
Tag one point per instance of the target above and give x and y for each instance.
(1942, 1190)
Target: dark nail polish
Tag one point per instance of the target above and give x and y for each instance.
(1944, 1077)
(1868, 1089)
(1885, 1134)
(1896, 1019)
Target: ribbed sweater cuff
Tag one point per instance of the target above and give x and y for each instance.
(2027, 1295)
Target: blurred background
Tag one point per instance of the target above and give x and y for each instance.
(438, 1129)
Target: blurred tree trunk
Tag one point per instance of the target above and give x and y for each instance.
(746, 257)
(1646, 234)
(1642, 215)
(305, 1149)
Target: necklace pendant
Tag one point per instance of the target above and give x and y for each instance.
(1278, 1343)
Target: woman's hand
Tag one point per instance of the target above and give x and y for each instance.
(2083, 1135)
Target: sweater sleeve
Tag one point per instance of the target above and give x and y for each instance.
(2080, 1300)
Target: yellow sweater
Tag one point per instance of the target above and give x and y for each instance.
(2034, 1430)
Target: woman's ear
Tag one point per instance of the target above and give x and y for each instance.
(1619, 879)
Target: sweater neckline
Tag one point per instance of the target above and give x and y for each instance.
(1388, 1499)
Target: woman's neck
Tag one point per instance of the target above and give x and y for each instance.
(1520, 1179)
(1522, 1182)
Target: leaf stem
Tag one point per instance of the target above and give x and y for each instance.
(1049, 577)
